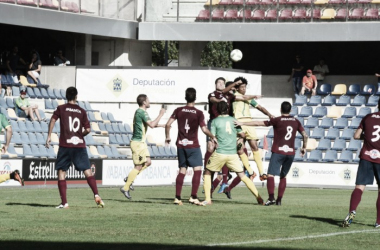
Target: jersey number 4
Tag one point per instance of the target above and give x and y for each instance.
(228, 128)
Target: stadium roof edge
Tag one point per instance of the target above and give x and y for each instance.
(261, 32)
(64, 21)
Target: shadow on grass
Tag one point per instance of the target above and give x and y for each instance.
(331, 221)
(43, 245)
(28, 204)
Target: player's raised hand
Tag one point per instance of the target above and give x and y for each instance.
(258, 96)
(237, 123)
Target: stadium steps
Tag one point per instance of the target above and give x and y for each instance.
(188, 10)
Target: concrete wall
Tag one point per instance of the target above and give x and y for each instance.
(154, 10)
(58, 77)
(190, 53)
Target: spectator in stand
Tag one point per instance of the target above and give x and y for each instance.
(309, 83)
(35, 67)
(321, 70)
(24, 109)
(60, 60)
(12, 63)
(296, 75)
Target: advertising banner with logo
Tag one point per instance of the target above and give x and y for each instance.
(161, 85)
(162, 172)
(39, 171)
(6, 167)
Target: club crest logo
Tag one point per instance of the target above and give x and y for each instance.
(347, 174)
(296, 172)
(117, 85)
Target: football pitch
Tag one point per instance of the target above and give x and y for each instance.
(307, 219)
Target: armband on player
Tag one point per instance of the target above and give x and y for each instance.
(253, 103)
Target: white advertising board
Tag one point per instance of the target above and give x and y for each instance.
(160, 85)
(6, 167)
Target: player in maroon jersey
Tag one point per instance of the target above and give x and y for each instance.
(74, 126)
(188, 149)
(369, 164)
(285, 128)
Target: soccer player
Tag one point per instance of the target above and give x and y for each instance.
(15, 175)
(285, 129)
(242, 114)
(74, 125)
(188, 149)
(369, 164)
(140, 153)
(226, 153)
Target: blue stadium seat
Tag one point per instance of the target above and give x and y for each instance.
(101, 151)
(306, 111)
(169, 153)
(57, 94)
(330, 156)
(301, 120)
(341, 123)
(346, 156)
(349, 112)
(359, 100)
(112, 139)
(152, 154)
(327, 122)
(43, 151)
(312, 122)
(63, 94)
(329, 100)
(128, 128)
(353, 89)
(27, 151)
(357, 159)
(3, 103)
(116, 152)
(307, 130)
(90, 155)
(51, 152)
(54, 103)
(16, 138)
(116, 128)
(81, 104)
(347, 134)
(14, 126)
(42, 114)
(372, 101)
(32, 138)
(109, 128)
(37, 92)
(15, 91)
(88, 107)
(343, 100)
(268, 155)
(174, 151)
(30, 92)
(44, 93)
(90, 140)
(36, 151)
(104, 116)
(163, 152)
(111, 118)
(157, 152)
(269, 141)
(22, 126)
(300, 100)
(355, 122)
(122, 128)
(12, 150)
(297, 143)
(318, 133)
(49, 105)
(315, 100)
(354, 145)
(40, 138)
(126, 139)
(339, 144)
(294, 111)
(44, 126)
(332, 133)
(363, 112)
(270, 133)
(102, 127)
(10, 103)
(324, 144)
(368, 89)
(91, 117)
(324, 89)
(315, 156)
(51, 93)
(5, 112)
(320, 111)
(120, 140)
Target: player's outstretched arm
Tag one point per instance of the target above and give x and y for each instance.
(247, 97)
(209, 134)
(51, 126)
(153, 124)
(359, 134)
(265, 111)
(252, 123)
(303, 149)
(167, 131)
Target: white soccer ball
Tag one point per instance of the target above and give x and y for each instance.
(236, 55)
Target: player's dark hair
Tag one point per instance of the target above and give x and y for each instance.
(229, 83)
(378, 104)
(220, 78)
(222, 108)
(242, 79)
(286, 107)
(141, 99)
(191, 95)
(71, 93)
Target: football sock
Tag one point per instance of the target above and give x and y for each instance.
(250, 185)
(244, 159)
(62, 187)
(259, 163)
(356, 196)
(207, 187)
(4, 177)
(207, 157)
(270, 187)
(143, 168)
(225, 174)
(178, 185)
(215, 183)
(281, 188)
(195, 183)
(131, 178)
(92, 183)
(378, 208)
(234, 183)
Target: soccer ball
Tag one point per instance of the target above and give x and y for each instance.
(236, 55)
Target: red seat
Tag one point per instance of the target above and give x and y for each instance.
(352, 1)
(225, 2)
(258, 15)
(372, 14)
(252, 2)
(218, 14)
(7, 1)
(282, 1)
(30, 3)
(203, 15)
(337, 1)
(48, 4)
(231, 14)
(364, 1)
(295, 2)
(299, 14)
(341, 13)
(357, 13)
(238, 2)
(286, 14)
(271, 14)
(308, 2)
(316, 14)
(267, 2)
(248, 14)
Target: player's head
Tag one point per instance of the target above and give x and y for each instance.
(222, 108)
(378, 105)
(191, 95)
(71, 94)
(143, 100)
(229, 83)
(242, 87)
(286, 107)
(220, 83)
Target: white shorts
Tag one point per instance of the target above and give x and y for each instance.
(36, 75)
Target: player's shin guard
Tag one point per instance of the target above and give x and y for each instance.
(178, 185)
(250, 186)
(207, 187)
(4, 177)
(131, 178)
(270, 187)
(244, 159)
(234, 183)
(207, 157)
(143, 168)
(92, 183)
(356, 197)
(281, 189)
(195, 183)
(259, 163)
(62, 187)
(225, 171)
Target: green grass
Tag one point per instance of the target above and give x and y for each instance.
(150, 221)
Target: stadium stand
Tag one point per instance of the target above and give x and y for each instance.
(329, 100)
(353, 89)
(330, 156)
(320, 111)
